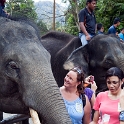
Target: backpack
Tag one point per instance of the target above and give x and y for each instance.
(83, 99)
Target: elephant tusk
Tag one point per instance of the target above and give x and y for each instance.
(34, 116)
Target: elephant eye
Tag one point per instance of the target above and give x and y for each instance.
(13, 65)
(107, 63)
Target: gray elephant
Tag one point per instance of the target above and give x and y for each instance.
(103, 52)
(100, 54)
(60, 45)
(26, 79)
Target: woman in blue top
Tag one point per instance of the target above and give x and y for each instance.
(71, 93)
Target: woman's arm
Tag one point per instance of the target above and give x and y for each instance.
(122, 103)
(93, 98)
(95, 118)
(93, 88)
(87, 112)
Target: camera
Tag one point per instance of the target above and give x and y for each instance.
(91, 79)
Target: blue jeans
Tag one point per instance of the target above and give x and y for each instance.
(83, 38)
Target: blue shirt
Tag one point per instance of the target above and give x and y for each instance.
(99, 32)
(121, 36)
(112, 30)
(75, 110)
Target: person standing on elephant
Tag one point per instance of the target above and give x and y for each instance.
(87, 22)
(108, 105)
(112, 29)
(72, 94)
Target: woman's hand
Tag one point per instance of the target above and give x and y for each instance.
(93, 86)
(87, 82)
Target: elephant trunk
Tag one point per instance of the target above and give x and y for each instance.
(42, 94)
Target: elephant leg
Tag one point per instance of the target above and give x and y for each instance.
(1, 116)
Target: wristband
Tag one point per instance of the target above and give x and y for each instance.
(121, 115)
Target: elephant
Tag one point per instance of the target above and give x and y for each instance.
(26, 78)
(60, 45)
(100, 54)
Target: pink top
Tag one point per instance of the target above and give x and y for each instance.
(108, 109)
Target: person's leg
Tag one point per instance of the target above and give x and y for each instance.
(83, 40)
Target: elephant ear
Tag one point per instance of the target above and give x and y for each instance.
(78, 57)
(85, 53)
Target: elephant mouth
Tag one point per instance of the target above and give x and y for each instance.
(16, 103)
(10, 96)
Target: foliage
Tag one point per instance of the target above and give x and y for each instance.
(25, 8)
(71, 26)
(42, 27)
(22, 8)
(105, 12)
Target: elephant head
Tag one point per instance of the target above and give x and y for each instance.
(26, 79)
(60, 45)
(102, 52)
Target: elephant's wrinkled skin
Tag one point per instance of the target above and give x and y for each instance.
(102, 52)
(26, 79)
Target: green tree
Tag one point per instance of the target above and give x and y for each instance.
(22, 8)
(72, 24)
(42, 26)
(105, 12)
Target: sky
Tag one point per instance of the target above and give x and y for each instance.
(57, 1)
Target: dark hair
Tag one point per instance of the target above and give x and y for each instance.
(99, 26)
(80, 77)
(116, 20)
(89, 1)
(115, 71)
(122, 29)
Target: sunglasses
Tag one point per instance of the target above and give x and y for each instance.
(79, 71)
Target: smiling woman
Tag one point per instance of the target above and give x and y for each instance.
(71, 92)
